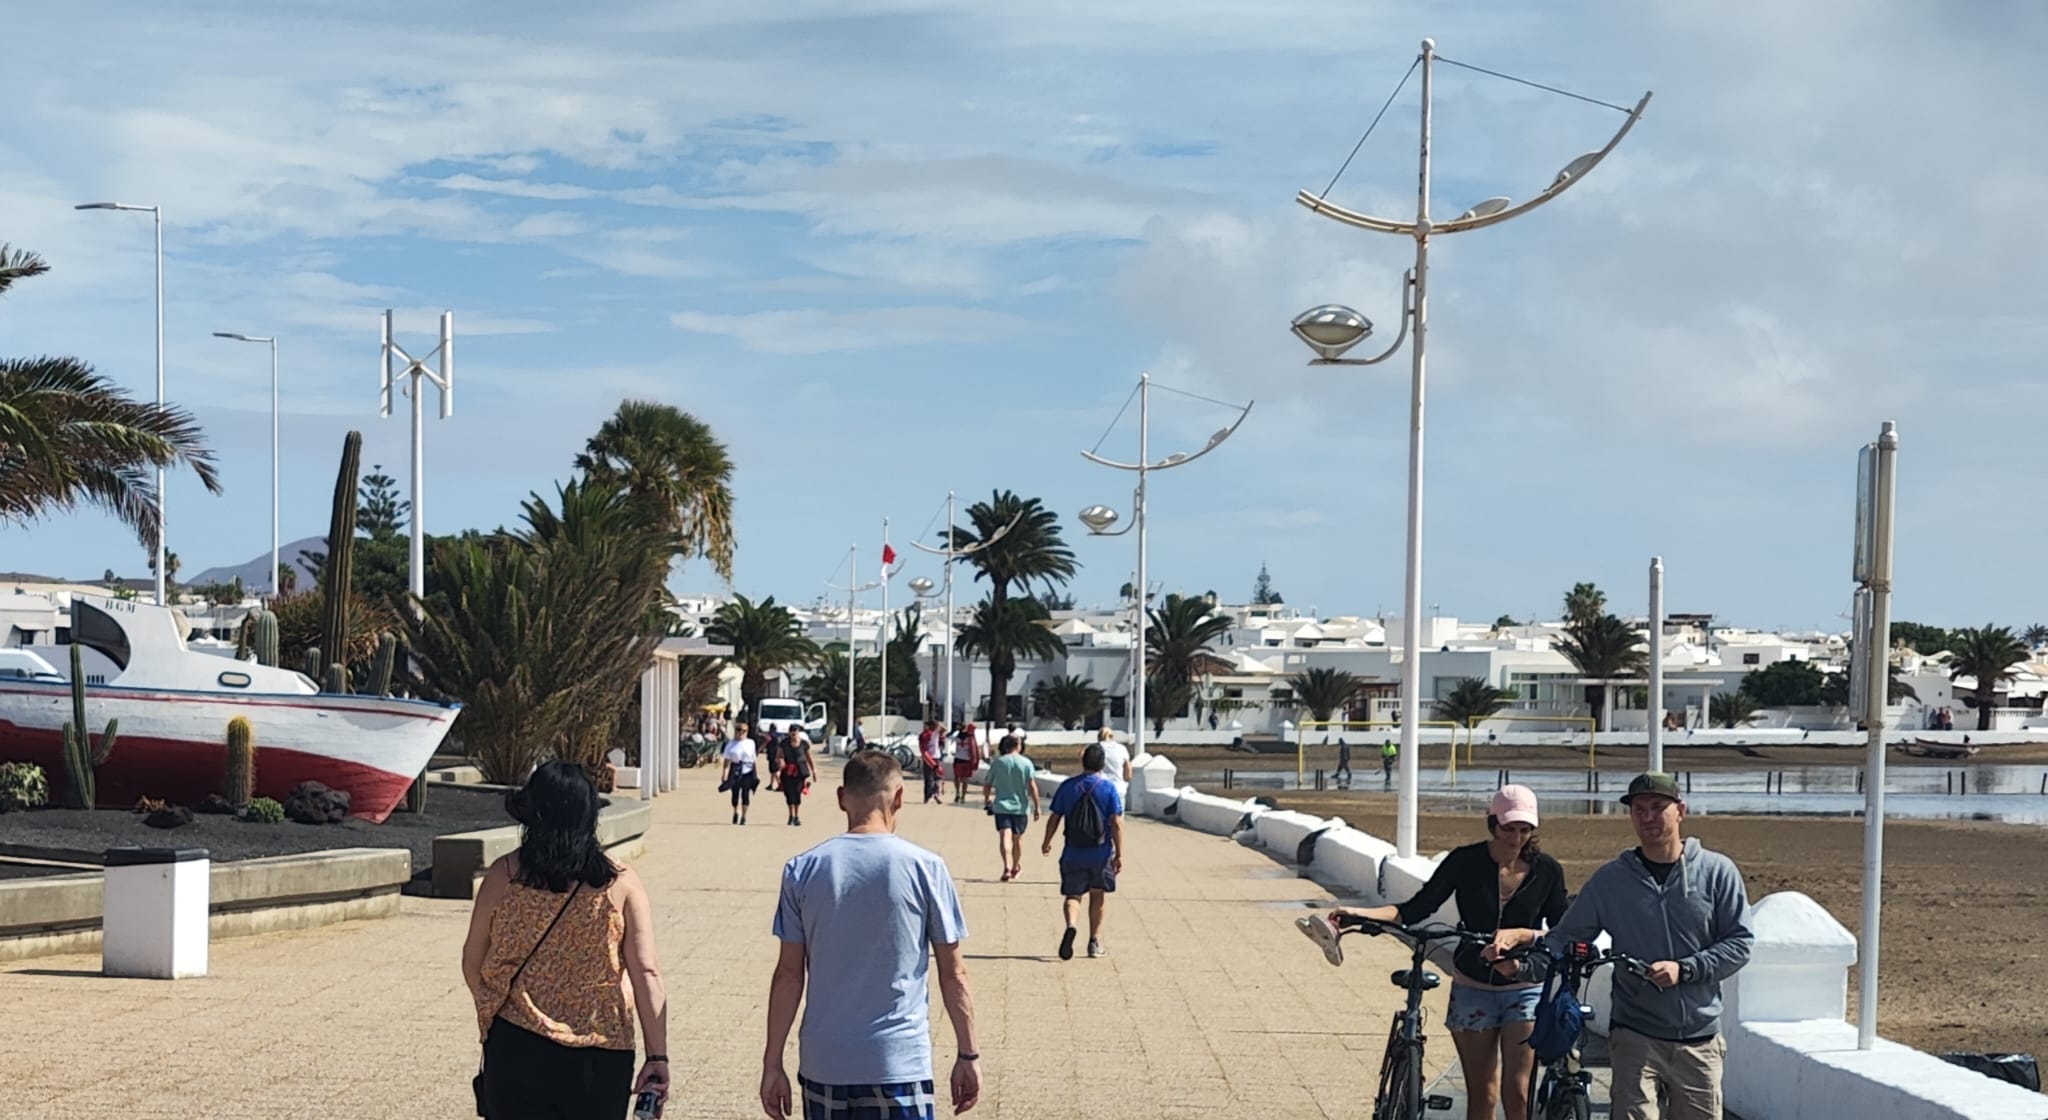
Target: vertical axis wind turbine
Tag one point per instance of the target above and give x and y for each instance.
(416, 369)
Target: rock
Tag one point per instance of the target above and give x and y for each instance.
(313, 803)
(172, 817)
(214, 803)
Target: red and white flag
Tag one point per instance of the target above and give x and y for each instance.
(888, 554)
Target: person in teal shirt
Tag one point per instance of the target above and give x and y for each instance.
(1005, 789)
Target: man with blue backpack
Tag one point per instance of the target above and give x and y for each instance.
(1094, 853)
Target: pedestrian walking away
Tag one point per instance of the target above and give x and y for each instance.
(1343, 771)
(1502, 883)
(1388, 753)
(794, 774)
(1116, 758)
(1093, 855)
(929, 761)
(1004, 793)
(738, 775)
(966, 760)
(1675, 904)
(861, 920)
(560, 962)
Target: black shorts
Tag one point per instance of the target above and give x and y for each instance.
(1077, 879)
(793, 790)
(527, 1075)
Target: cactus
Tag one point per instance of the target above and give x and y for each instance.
(380, 668)
(312, 666)
(266, 638)
(239, 783)
(337, 679)
(338, 572)
(242, 639)
(80, 755)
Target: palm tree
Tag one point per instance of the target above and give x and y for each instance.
(2035, 636)
(764, 637)
(1165, 698)
(1071, 700)
(1988, 654)
(1583, 603)
(1730, 709)
(670, 459)
(904, 646)
(1178, 638)
(1323, 690)
(70, 437)
(1605, 647)
(1032, 551)
(1002, 634)
(1471, 700)
(826, 685)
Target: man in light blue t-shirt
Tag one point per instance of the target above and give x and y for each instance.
(1005, 788)
(861, 917)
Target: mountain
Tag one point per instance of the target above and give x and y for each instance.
(252, 574)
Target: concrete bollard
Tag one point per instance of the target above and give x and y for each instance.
(1150, 775)
(154, 908)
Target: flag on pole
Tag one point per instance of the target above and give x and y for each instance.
(888, 554)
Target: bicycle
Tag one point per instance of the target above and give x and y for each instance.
(1563, 1088)
(1400, 1095)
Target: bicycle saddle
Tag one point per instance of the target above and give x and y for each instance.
(1429, 979)
(1317, 929)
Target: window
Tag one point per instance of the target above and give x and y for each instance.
(1283, 696)
(1752, 658)
(96, 630)
(233, 680)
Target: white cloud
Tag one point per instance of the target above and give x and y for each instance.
(821, 332)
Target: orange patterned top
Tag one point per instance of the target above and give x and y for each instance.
(574, 991)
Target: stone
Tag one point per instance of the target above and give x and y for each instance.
(214, 803)
(314, 803)
(173, 817)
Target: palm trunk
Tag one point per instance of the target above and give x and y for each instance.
(1986, 697)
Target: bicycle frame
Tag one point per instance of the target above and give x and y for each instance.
(1562, 1088)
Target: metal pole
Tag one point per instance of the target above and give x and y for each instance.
(1411, 623)
(1657, 663)
(274, 564)
(948, 717)
(1875, 697)
(882, 636)
(415, 562)
(1144, 461)
(161, 549)
(852, 590)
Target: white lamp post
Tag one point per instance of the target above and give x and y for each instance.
(274, 562)
(1332, 329)
(853, 589)
(953, 554)
(1098, 520)
(157, 213)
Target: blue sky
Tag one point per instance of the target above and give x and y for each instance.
(891, 249)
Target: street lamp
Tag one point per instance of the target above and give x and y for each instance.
(952, 555)
(157, 213)
(1332, 329)
(273, 445)
(1098, 519)
(853, 588)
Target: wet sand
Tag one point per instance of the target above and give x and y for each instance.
(1963, 902)
(1716, 757)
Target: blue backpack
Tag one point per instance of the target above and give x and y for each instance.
(1559, 1016)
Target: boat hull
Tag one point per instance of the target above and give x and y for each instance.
(173, 744)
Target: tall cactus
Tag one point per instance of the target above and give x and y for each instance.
(338, 573)
(242, 634)
(380, 669)
(336, 679)
(313, 666)
(80, 756)
(266, 638)
(238, 785)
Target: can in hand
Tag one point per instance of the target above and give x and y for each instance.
(647, 1106)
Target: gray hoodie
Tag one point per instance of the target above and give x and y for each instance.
(1697, 917)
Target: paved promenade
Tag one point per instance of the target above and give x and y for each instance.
(1209, 1004)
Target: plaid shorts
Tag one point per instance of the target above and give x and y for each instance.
(904, 1100)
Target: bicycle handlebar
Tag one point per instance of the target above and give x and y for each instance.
(1420, 934)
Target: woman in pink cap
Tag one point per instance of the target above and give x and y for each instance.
(1503, 882)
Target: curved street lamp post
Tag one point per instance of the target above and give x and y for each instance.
(156, 213)
(1098, 519)
(274, 561)
(1333, 329)
(953, 555)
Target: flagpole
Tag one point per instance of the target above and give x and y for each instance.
(882, 635)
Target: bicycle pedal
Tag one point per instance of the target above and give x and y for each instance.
(1437, 1103)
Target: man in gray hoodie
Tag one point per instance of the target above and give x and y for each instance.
(1682, 908)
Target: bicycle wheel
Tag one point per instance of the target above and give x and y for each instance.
(1568, 1103)
(1400, 1096)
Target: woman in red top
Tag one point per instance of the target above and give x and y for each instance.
(928, 747)
(965, 762)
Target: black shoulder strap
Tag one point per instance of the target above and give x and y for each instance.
(521, 970)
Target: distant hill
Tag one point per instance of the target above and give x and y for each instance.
(253, 574)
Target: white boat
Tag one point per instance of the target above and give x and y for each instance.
(174, 704)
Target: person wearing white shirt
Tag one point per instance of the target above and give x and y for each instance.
(1116, 758)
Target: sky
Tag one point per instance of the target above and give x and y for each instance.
(889, 250)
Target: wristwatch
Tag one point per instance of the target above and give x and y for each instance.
(1686, 972)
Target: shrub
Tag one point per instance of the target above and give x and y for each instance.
(23, 785)
(263, 810)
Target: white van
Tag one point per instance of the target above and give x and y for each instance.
(778, 713)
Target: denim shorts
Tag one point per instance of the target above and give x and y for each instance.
(1012, 822)
(1489, 1009)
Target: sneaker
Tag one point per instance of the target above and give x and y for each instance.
(1095, 948)
(1067, 944)
(735, 818)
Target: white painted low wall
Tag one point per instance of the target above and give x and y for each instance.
(1216, 815)
(1281, 831)
(1153, 786)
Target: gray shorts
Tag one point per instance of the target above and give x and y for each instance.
(1012, 822)
(1077, 880)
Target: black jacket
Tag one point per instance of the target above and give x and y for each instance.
(1469, 874)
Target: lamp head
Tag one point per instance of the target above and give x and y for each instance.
(921, 585)
(1489, 207)
(1098, 519)
(1574, 169)
(1331, 329)
(1170, 460)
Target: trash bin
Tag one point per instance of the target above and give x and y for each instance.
(154, 912)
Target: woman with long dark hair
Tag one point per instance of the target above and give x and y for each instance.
(560, 960)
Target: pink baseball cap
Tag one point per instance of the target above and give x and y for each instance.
(1513, 804)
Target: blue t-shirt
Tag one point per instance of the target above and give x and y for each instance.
(1063, 800)
(867, 908)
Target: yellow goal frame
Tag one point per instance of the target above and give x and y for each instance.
(1301, 744)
